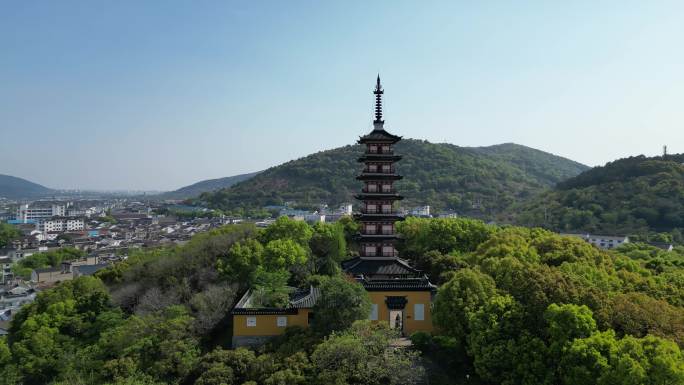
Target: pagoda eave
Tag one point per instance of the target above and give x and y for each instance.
(383, 196)
(379, 158)
(378, 217)
(369, 176)
(377, 237)
(379, 136)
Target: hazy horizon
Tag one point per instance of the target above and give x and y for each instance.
(157, 96)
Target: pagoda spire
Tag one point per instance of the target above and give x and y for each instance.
(378, 122)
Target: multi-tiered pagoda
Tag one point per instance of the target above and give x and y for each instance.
(378, 195)
(400, 294)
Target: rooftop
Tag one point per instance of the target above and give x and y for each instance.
(368, 266)
(299, 299)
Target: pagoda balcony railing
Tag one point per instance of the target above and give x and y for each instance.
(378, 191)
(380, 152)
(379, 170)
(383, 254)
(376, 232)
(376, 211)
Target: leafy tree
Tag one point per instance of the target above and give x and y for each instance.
(502, 351)
(341, 302)
(361, 356)
(270, 288)
(285, 228)
(509, 242)
(241, 261)
(459, 298)
(284, 254)
(444, 235)
(604, 360)
(329, 247)
(222, 366)
(159, 344)
(7, 234)
(566, 323)
(45, 333)
(639, 315)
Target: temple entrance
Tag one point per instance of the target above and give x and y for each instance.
(396, 320)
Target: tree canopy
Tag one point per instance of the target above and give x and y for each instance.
(515, 306)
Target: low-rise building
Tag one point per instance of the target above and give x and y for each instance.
(602, 241)
(51, 275)
(5, 270)
(20, 253)
(663, 246)
(253, 324)
(88, 269)
(421, 211)
(57, 224)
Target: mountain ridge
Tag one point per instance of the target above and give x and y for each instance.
(206, 185)
(442, 175)
(634, 195)
(13, 187)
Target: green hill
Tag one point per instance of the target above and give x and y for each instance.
(478, 181)
(635, 195)
(205, 186)
(16, 188)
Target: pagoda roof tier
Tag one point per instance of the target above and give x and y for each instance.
(378, 176)
(378, 217)
(385, 266)
(379, 196)
(379, 135)
(369, 157)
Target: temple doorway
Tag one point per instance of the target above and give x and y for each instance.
(396, 319)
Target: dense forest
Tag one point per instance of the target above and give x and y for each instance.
(480, 181)
(514, 306)
(637, 195)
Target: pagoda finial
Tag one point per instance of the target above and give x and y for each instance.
(378, 122)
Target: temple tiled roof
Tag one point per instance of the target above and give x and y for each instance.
(369, 266)
(399, 284)
(305, 298)
(299, 299)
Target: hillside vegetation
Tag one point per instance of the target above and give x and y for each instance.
(481, 180)
(635, 195)
(12, 187)
(208, 185)
(515, 306)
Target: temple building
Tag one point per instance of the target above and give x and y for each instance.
(401, 296)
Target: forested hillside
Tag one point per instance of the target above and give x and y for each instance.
(514, 306)
(636, 195)
(482, 180)
(12, 187)
(205, 186)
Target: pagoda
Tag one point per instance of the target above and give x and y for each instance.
(378, 196)
(400, 294)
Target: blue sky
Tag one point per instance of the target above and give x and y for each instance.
(160, 94)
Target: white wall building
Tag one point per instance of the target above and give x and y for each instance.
(422, 211)
(602, 241)
(27, 213)
(61, 224)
